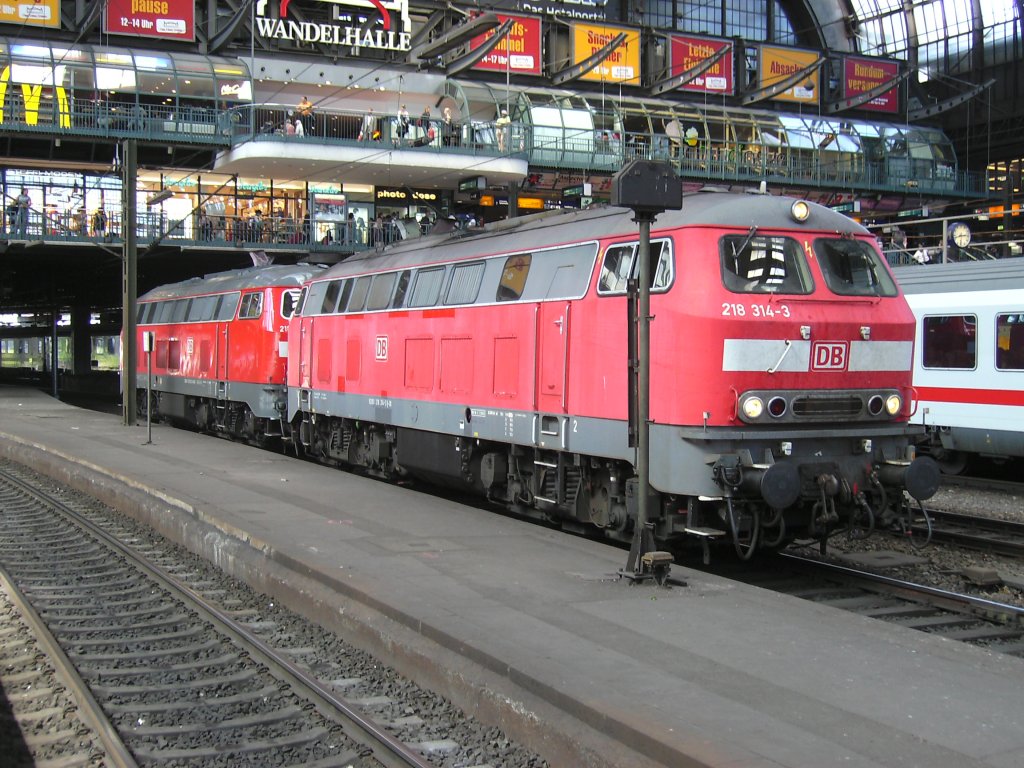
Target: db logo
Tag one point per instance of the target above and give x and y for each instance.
(381, 349)
(829, 355)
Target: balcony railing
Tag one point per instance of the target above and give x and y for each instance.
(234, 232)
(542, 146)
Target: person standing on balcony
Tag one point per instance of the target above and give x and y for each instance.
(369, 130)
(299, 129)
(305, 110)
(402, 126)
(449, 129)
(503, 125)
(24, 204)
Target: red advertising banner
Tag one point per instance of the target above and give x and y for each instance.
(689, 52)
(519, 52)
(861, 75)
(169, 19)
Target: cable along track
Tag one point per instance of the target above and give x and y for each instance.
(180, 681)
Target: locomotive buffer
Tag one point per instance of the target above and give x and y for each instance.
(649, 188)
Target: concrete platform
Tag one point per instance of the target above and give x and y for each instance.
(528, 628)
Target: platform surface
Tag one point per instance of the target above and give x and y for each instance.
(713, 673)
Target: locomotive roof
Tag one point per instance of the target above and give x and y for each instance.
(235, 280)
(557, 227)
(954, 277)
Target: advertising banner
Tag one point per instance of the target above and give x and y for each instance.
(688, 52)
(31, 13)
(518, 53)
(621, 66)
(861, 75)
(168, 19)
(779, 63)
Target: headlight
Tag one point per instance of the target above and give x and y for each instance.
(753, 407)
(800, 210)
(893, 404)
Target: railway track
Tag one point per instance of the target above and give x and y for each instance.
(174, 678)
(964, 618)
(985, 534)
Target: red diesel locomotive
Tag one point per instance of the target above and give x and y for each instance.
(496, 359)
(219, 350)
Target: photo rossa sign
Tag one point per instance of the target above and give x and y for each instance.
(392, 34)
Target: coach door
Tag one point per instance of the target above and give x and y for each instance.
(552, 355)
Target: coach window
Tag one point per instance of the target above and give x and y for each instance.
(358, 299)
(753, 263)
(402, 289)
(227, 306)
(1010, 341)
(330, 302)
(426, 287)
(315, 299)
(180, 311)
(950, 341)
(381, 289)
(853, 268)
(252, 306)
(513, 277)
(465, 283)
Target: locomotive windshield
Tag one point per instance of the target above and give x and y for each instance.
(853, 268)
(753, 263)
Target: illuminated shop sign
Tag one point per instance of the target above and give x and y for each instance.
(621, 66)
(31, 13)
(861, 75)
(406, 195)
(168, 19)
(393, 34)
(776, 64)
(32, 80)
(518, 52)
(688, 52)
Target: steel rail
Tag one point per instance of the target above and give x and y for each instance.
(395, 752)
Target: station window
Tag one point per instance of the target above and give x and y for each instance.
(853, 268)
(754, 263)
(1010, 341)
(252, 306)
(513, 277)
(426, 287)
(620, 263)
(950, 341)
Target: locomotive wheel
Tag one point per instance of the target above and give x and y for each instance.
(950, 462)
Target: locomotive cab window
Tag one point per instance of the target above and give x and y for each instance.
(330, 302)
(202, 309)
(949, 341)
(853, 268)
(465, 283)
(620, 263)
(228, 306)
(289, 302)
(252, 306)
(1010, 341)
(402, 289)
(753, 263)
(357, 301)
(381, 289)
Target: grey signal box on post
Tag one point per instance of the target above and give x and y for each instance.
(647, 186)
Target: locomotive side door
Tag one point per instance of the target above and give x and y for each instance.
(305, 360)
(552, 356)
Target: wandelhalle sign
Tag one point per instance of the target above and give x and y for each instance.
(392, 30)
(166, 19)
